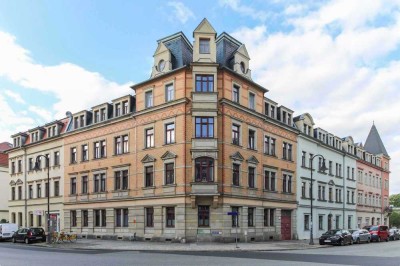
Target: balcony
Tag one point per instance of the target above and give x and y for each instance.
(204, 144)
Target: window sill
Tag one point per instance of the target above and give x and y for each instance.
(238, 145)
(252, 188)
(119, 154)
(169, 185)
(99, 192)
(149, 187)
(105, 157)
(120, 190)
(169, 144)
(149, 148)
(252, 149)
(270, 191)
(330, 175)
(322, 200)
(287, 193)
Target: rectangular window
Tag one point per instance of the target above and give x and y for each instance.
(170, 217)
(235, 93)
(252, 139)
(19, 192)
(290, 155)
(203, 216)
(125, 107)
(30, 189)
(73, 186)
(73, 155)
(103, 114)
(252, 101)
(38, 191)
(169, 174)
(204, 46)
(169, 92)
(148, 99)
(121, 218)
(287, 183)
(103, 149)
(272, 150)
(73, 218)
(118, 145)
(251, 177)
(46, 189)
(149, 217)
(250, 217)
(30, 164)
(303, 189)
(330, 167)
(96, 116)
(349, 223)
(97, 150)
(303, 159)
(85, 218)
(56, 188)
(56, 158)
(266, 145)
(204, 127)
(337, 221)
(204, 83)
(236, 134)
(125, 144)
(235, 217)
(269, 180)
(99, 182)
(170, 133)
(85, 153)
(31, 219)
(149, 138)
(121, 180)
(306, 222)
(84, 184)
(272, 113)
(236, 175)
(320, 222)
(149, 176)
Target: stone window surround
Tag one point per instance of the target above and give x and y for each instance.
(234, 83)
(145, 128)
(144, 97)
(165, 84)
(238, 123)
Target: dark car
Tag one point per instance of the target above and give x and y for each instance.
(29, 235)
(336, 237)
(394, 234)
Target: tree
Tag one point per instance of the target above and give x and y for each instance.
(394, 200)
(395, 219)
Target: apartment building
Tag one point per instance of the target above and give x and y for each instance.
(28, 186)
(4, 180)
(372, 180)
(198, 140)
(333, 191)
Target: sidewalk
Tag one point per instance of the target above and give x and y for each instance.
(94, 244)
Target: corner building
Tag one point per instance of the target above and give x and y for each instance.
(198, 140)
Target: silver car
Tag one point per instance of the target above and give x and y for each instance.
(360, 235)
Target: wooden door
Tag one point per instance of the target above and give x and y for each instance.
(286, 225)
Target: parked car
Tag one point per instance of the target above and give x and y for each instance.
(7, 231)
(336, 237)
(394, 234)
(29, 235)
(379, 233)
(360, 235)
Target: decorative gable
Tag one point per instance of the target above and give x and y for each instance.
(237, 157)
(148, 159)
(12, 183)
(331, 183)
(252, 159)
(168, 155)
(204, 27)
(19, 182)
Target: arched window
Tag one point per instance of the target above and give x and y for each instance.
(204, 169)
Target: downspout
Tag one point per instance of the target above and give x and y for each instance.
(184, 157)
(344, 190)
(223, 144)
(25, 193)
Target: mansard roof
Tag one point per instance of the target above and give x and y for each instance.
(374, 143)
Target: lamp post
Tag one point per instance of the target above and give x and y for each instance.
(37, 167)
(322, 168)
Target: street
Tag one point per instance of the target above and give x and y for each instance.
(364, 254)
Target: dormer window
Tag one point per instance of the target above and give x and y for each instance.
(289, 119)
(103, 114)
(76, 122)
(272, 113)
(304, 128)
(125, 107)
(204, 46)
(284, 117)
(161, 65)
(117, 109)
(96, 116)
(243, 67)
(82, 121)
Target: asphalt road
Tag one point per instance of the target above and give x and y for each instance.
(365, 254)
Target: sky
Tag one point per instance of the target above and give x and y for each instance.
(337, 60)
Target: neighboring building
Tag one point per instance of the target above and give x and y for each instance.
(334, 191)
(28, 187)
(372, 180)
(198, 140)
(4, 177)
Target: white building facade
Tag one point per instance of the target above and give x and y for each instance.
(334, 191)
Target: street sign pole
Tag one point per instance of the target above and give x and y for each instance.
(237, 222)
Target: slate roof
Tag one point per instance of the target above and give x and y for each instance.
(374, 143)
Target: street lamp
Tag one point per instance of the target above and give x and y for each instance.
(37, 167)
(322, 169)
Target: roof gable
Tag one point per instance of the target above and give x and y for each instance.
(243, 51)
(204, 27)
(374, 143)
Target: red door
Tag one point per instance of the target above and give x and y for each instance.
(286, 225)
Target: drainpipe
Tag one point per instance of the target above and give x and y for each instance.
(344, 190)
(25, 193)
(184, 159)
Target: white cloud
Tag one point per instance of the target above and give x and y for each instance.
(343, 75)
(181, 12)
(15, 96)
(74, 87)
(244, 10)
(43, 113)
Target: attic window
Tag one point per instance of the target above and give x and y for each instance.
(204, 47)
(161, 65)
(243, 67)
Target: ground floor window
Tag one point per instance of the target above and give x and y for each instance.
(121, 217)
(250, 217)
(31, 219)
(306, 222)
(20, 218)
(321, 222)
(269, 217)
(170, 216)
(73, 218)
(204, 216)
(39, 220)
(349, 221)
(235, 217)
(149, 217)
(99, 218)
(85, 218)
(337, 221)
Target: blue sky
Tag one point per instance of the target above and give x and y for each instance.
(333, 59)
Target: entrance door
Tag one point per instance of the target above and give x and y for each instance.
(54, 218)
(286, 225)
